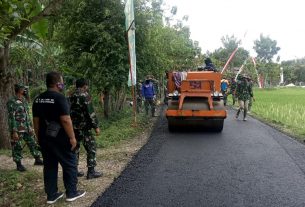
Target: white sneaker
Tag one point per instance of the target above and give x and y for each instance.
(78, 195)
(54, 198)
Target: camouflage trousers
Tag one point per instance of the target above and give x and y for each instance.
(17, 146)
(150, 103)
(250, 104)
(234, 99)
(86, 137)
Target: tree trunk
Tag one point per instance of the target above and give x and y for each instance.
(123, 99)
(5, 92)
(106, 104)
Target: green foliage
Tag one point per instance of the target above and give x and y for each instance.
(14, 12)
(266, 49)
(162, 47)
(34, 92)
(294, 71)
(93, 37)
(221, 55)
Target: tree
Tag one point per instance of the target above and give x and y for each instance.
(266, 49)
(16, 17)
(162, 47)
(294, 71)
(222, 54)
(95, 45)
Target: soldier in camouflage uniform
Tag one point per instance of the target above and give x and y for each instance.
(84, 119)
(243, 93)
(232, 90)
(251, 98)
(21, 127)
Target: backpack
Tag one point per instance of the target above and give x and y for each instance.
(224, 85)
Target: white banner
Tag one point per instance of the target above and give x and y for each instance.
(130, 28)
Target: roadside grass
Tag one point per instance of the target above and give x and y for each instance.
(5, 152)
(121, 127)
(26, 189)
(283, 108)
(17, 189)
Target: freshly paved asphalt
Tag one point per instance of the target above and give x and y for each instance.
(248, 164)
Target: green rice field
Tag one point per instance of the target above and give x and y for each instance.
(284, 107)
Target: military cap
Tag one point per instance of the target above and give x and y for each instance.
(19, 86)
(81, 82)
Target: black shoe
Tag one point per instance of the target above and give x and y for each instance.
(20, 167)
(38, 161)
(55, 197)
(79, 194)
(80, 174)
(93, 174)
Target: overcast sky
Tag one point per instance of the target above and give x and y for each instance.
(281, 20)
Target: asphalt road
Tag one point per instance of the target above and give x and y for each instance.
(248, 164)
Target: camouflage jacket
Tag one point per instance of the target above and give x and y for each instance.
(233, 86)
(156, 86)
(18, 115)
(82, 111)
(244, 90)
(139, 90)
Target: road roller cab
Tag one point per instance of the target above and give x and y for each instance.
(195, 101)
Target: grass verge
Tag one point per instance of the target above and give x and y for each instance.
(26, 189)
(16, 189)
(121, 127)
(282, 108)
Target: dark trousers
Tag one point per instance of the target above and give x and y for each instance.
(54, 152)
(225, 97)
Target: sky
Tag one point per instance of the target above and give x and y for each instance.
(281, 20)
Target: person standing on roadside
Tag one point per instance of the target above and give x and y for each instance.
(54, 130)
(149, 94)
(251, 98)
(84, 119)
(224, 85)
(232, 90)
(243, 93)
(21, 127)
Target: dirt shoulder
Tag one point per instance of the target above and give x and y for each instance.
(110, 161)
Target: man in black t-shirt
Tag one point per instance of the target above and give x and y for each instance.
(54, 130)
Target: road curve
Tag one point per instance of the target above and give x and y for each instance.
(248, 164)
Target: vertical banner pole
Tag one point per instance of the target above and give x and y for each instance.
(229, 60)
(130, 33)
(134, 105)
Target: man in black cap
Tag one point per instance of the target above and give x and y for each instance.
(21, 128)
(209, 66)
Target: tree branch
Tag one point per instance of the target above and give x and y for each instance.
(48, 11)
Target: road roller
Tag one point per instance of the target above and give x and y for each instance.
(195, 101)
